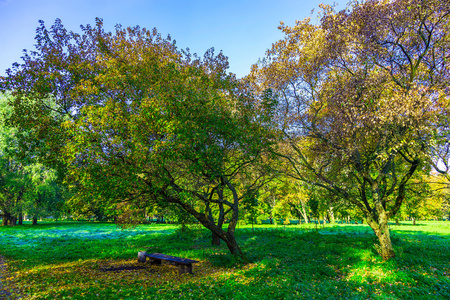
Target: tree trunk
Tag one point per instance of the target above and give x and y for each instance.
(233, 246)
(215, 238)
(5, 219)
(381, 230)
(21, 219)
(203, 217)
(228, 237)
(215, 241)
(13, 221)
(34, 222)
(414, 221)
(330, 215)
(383, 234)
(305, 215)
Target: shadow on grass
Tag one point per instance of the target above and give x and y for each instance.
(312, 265)
(420, 234)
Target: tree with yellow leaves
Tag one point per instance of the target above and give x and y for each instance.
(359, 94)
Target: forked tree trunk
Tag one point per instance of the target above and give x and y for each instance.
(203, 217)
(227, 236)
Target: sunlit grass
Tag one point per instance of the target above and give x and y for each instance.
(99, 261)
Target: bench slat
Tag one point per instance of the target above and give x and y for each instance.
(175, 259)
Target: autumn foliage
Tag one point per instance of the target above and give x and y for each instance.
(360, 94)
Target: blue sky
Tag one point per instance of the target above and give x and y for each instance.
(243, 29)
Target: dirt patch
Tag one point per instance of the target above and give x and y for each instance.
(4, 294)
(122, 268)
(7, 288)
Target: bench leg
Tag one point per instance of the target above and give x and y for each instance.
(141, 257)
(185, 269)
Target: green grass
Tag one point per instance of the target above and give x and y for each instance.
(82, 261)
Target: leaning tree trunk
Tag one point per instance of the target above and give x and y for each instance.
(233, 246)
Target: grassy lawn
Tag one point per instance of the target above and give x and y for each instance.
(99, 261)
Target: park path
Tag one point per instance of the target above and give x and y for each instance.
(5, 288)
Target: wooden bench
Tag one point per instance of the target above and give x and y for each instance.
(184, 265)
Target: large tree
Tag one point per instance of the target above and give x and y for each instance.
(137, 120)
(359, 93)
